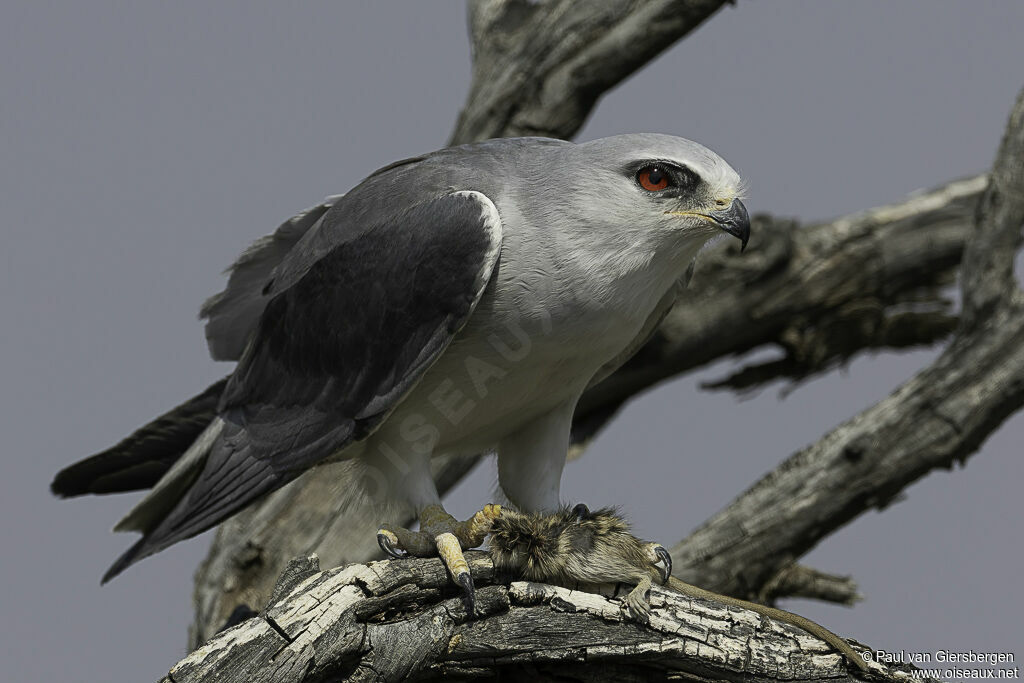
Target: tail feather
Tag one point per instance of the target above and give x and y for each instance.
(168, 492)
(148, 516)
(227, 468)
(140, 460)
(130, 556)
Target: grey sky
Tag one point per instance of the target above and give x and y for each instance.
(144, 144)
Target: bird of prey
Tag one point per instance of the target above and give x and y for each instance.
(457, 302)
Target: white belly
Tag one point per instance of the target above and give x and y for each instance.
(502, 370)
(541, 331)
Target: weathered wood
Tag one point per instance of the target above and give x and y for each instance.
(404, 620)
(939, 417)
(798, 581)
(320, 512)
(540, 67)
(987, 276)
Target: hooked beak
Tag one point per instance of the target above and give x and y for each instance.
(735, 220)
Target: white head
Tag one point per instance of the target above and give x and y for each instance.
(669, 188)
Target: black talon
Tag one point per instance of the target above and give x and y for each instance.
(385, 544)
(581, 511)
(466, 581)
(665, 571)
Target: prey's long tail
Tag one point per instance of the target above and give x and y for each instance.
(140, 460)
(852, 656)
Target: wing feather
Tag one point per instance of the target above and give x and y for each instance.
(232, 314)
(335, 351)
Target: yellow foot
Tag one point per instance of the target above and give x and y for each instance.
(441, 534)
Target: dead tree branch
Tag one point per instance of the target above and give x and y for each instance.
(402, 620)
(540, 67)
(798, 581)
(939, 417)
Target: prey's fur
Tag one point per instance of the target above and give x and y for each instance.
(575, 545)
(566, 546)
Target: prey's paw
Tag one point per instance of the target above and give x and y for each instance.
(442, 535)
(638, 601)
(577, 545)
(661, 560)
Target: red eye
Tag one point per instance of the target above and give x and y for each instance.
(652, 178)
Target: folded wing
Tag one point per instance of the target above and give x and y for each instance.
(332, 354)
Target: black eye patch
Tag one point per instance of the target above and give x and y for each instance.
(658, 176)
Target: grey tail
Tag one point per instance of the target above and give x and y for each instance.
(150, 515)
(130, 557)
(229, 466)
(140, 460)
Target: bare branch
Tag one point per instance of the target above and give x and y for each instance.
(540, 67)
(402, 620)
(988, 263)
(939, 417)
(814, 346)
(798, 581)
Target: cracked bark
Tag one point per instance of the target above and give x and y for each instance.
(539, 68)
(403, 620)
(939, 417)
(798, 581)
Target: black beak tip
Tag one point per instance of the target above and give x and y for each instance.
(736, 221)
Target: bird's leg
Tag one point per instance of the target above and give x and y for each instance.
(441, 534)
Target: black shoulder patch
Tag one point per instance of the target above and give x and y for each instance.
(335, 352)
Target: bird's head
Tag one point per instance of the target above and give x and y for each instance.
(663, 184)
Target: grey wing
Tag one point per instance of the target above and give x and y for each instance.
(333, 353)
(232, 315)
